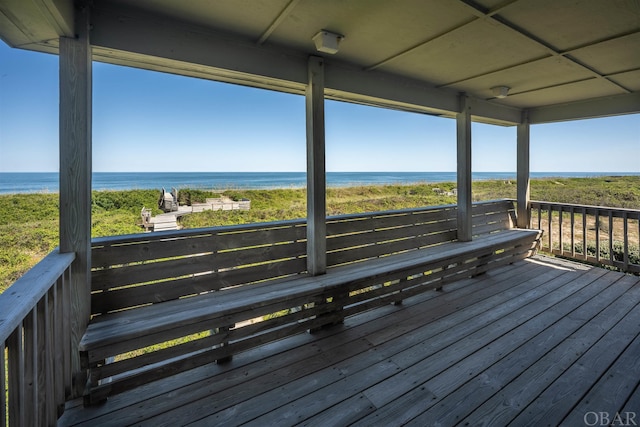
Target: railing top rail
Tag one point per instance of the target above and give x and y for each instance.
(589, 207)
(24, 294)
(178, 234)
(410, 210)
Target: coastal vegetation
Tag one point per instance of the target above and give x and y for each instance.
(29, 222)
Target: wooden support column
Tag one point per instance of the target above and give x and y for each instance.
(523, 174)
(75, 177)
(463, 127)
(316, 172)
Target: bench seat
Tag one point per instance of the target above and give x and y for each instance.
(228, 318)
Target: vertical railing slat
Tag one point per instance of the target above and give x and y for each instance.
(625, 228)
(585, 241)
(66, 332)
(560, 231)
(549, 227)
(50, 410)
(597, 227)
(40, 390)
(610, 233)
(16, 377)
(3, 386)
(31, 368)
(573, 232)
(58, 342)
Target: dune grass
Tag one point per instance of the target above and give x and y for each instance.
(29, 222)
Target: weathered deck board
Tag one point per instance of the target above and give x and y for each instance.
(557, 400)
(454, 406)
(542, 340)
(512, 400)
(479, 359)
(616, 385)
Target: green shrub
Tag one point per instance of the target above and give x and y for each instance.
(131, 200)
(29, 222)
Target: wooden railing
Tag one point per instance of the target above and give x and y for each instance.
(133, 270)
(595, 234)
(35, 361)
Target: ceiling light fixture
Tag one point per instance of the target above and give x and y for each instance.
(500, 91)
(327, 41)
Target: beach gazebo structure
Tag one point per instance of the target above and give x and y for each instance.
(507, 63)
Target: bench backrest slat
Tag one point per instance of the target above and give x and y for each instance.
(377, 235)
(493, 216)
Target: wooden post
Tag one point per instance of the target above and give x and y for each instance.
(463, 126)
(316, 174)
(75, 177)
(523, 175)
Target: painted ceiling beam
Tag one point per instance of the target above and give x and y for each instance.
(279, 20)
(627, 103)
(60, 14)
(155, 42)
(28, 22)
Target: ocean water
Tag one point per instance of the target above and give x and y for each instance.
(43, 182)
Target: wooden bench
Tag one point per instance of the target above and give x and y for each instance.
(375, 259)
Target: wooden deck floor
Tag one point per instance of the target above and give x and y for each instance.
(540, 342)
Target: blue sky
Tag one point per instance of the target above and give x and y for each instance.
(146, 121)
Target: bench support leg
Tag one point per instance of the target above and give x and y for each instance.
(482, 265)
(399, 293)
(442, 279)
(93, 378)
(332, 317)
(223, 330)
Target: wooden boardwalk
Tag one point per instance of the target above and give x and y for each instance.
(540, 342)
(169, 220)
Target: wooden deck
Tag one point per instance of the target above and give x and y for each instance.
(540, 342)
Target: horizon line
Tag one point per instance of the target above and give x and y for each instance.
(356, 171)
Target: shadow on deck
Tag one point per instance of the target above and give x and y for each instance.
(542, 341)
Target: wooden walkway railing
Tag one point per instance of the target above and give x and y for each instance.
(599, 235)
(35, 357)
